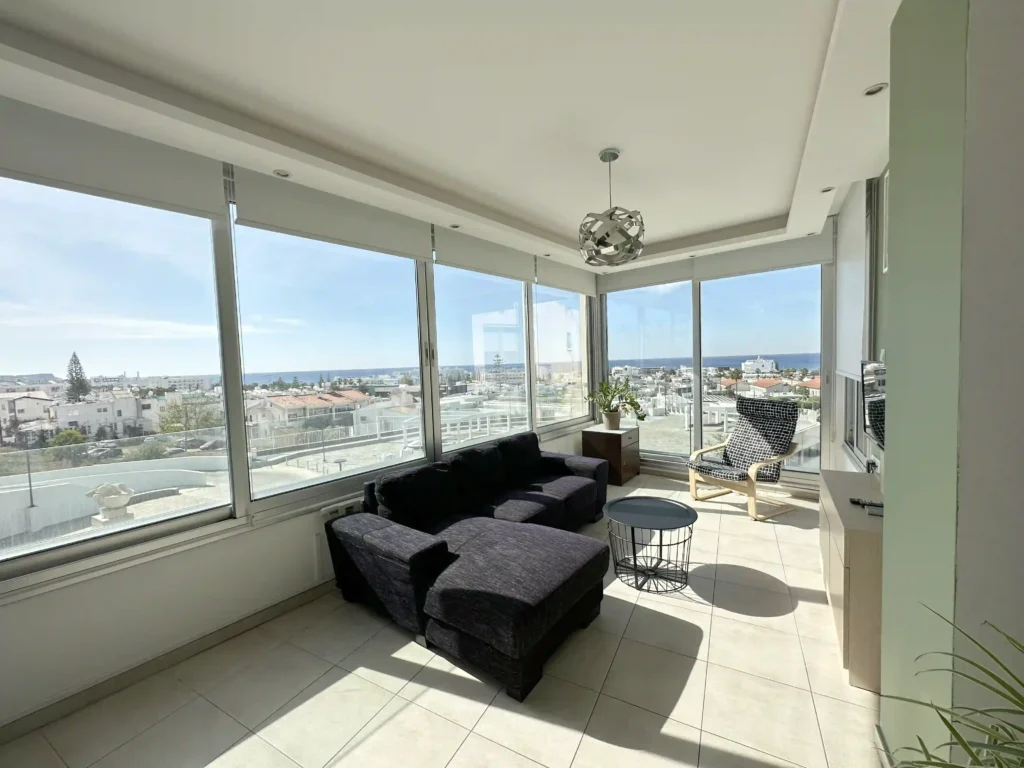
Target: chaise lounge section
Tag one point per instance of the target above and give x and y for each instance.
(473, 554)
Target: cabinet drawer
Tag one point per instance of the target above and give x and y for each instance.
(632, 437)
(631, 458)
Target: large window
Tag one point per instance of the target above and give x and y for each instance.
(330, 357)
(481, 356)
(761, 337)
(560, 355)
(111, 408)
(650, 344)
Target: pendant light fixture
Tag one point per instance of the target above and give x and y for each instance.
(616, 236)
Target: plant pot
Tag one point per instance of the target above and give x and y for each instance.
(611, 419)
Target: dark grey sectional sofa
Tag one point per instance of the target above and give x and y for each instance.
(475, 553)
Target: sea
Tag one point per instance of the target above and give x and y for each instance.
(810, 361)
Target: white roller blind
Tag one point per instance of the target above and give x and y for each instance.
(455, 249)
(851, 281)
(284, 206)
(557, 275)
(50, 148)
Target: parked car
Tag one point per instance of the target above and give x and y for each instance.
(174, 451)
(104, 453)
(213, 445)
(190, 442)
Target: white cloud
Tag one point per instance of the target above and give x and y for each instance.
(293, 321)
(100, 326)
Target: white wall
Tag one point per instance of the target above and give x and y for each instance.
(851, 281)
(66, 640)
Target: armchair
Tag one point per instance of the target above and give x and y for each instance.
(753, 453)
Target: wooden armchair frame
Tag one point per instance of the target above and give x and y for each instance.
(747, 487)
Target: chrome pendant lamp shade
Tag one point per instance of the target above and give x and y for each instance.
(616, 236)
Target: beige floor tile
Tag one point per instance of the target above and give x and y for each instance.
(255, 692)
(85, 736)
(598, 530)
(762, 607)
(195, 735)
(697, 594)
(547, 727)
(290, 624)
(252, 752)
(759, 651)
(335, 635)
(797, 527)
(768, 716)
(751, 573)
(316, 724)
(620, 734)
(827, 676)
(716, 752)
(478, 752)
(708, 520)
(584, 659)
(801, 556)
(672, 625)
(814, 618)
(30, 750)
(402, 734)
(762, 550)
(806, 580)
(848, 732)
(203, 671)
(743, 526)
(657, 680)
(700, 570)
(453, 691)
(390, 659)
(704, 547)
(616, 609)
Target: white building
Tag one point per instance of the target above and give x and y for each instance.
(51, 387)
(769, 387)
(29, 406)
(758, 367)
(115, 412)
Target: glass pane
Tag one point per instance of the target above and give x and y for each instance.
(560, 353)
(330, 355)
(481, 355)
(650, 344)
(761, 337)
(111, 412)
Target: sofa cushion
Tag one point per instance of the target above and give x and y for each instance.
(521, 454)
(578, 494)
(479, 474)
(510, 583)
(527, 507)
(419, 498)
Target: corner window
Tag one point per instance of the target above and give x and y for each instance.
(560, 355)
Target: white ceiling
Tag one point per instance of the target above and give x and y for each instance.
(731, 114)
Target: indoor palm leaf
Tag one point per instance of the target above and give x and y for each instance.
(990, 736)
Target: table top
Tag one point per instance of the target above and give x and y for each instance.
(650, 512)
(620, 431)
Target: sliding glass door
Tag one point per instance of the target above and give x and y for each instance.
(761, 337)
(650, 345)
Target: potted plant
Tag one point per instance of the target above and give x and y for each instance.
(989, 736)
(613, 398)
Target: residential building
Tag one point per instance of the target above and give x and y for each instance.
(769, 387)
(114, 412)
(23, 407)
(756, 368)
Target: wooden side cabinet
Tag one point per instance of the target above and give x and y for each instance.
(619, 447)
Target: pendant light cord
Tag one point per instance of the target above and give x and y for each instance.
(609, 185)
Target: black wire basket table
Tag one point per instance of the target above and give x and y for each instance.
(650, 542)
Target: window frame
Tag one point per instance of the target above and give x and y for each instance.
(586, 367)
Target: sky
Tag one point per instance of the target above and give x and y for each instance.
(131, 290)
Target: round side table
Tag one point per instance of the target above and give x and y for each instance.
(650, 541)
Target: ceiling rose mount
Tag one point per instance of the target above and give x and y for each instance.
(614, 237)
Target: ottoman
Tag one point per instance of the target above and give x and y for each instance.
(512, 595)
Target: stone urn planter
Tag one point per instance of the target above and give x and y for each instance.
(113, 499)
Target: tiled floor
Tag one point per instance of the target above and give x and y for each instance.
(741, 669)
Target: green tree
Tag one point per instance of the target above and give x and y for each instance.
(279, 385)
(78, 386)
(101, 433)
(321, 382)
(295, 382)
(498, 371)
(68, 437)
(736, 374)
(406, 380)
(41, 441)
(803, 373)
(335, 386)
(195, 412)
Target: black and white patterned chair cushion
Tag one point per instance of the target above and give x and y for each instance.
(765, 428)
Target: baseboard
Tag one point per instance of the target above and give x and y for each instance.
(53, 712)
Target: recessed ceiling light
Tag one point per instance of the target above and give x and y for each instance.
(875, 89)
(826, 190)
(282, 173)
(454, 226)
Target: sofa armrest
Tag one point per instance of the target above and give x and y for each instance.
(387, 565)
(584, 466)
